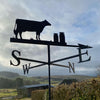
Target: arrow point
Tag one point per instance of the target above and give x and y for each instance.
(82, 46)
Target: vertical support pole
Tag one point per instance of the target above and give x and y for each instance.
(49, 71)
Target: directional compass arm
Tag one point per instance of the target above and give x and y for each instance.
(25, 59)
(44, 63)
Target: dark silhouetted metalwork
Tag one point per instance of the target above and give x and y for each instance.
(80, 56)
(42, 42)
(23, 25)
(44, 63)
(62, 38)
(26, 67)
(56, 38)
(34, 26)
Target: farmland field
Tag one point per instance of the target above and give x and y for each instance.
(10, 94)
(7, 92)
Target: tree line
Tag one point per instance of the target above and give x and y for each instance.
(15, 83)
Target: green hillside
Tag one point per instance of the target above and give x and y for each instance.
(58, 79)
(43, 79)
(7, 74)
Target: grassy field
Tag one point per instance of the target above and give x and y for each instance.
(10, 93)
(7, 92)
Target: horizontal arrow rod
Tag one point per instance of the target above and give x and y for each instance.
(43, 42)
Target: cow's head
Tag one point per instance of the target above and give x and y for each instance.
(47, 23)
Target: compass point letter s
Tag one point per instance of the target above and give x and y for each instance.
(18, 60)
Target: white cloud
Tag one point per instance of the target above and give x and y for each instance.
(63, 15)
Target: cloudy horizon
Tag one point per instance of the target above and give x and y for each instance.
(78, 19)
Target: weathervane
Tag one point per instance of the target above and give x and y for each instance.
(23, 25)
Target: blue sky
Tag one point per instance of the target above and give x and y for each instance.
(78, 19)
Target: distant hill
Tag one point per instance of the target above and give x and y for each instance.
(44, 79)
(78, 77)
(6, 74)
(61, 77)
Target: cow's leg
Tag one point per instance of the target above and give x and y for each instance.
(16, 36)
(36, 37)
(39, 36)
(20, 33)
(16, 33)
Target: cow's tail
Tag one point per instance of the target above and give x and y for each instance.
(15, 29)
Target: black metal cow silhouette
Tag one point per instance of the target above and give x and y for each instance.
(23, 25)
